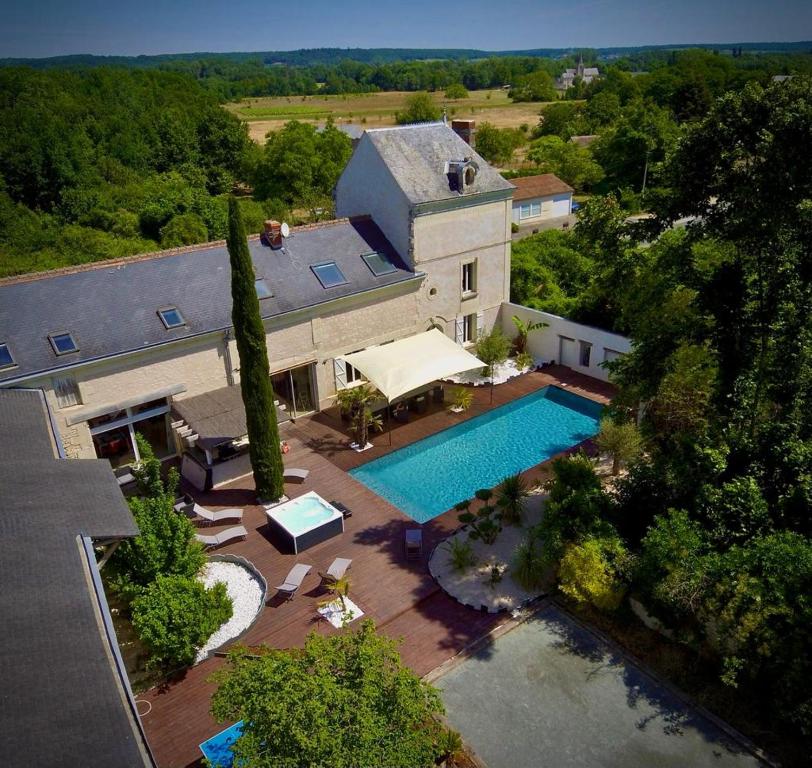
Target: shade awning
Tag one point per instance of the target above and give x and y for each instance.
(405, 365)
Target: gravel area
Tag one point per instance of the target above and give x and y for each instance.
(502, 373)
(245, 592)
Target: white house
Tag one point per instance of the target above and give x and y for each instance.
(539, 198)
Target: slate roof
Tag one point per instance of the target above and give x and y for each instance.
(417, 157)
(63, 700)
(543, 185)
(111, 307)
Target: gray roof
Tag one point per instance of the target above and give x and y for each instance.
(64, 699)
(417, 157)
(112, 307)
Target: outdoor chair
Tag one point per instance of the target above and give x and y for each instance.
(208, 517)
(224, 537)
(346, 511)
(294, 580)
(414, 543)
(336, 570)
(299, 475)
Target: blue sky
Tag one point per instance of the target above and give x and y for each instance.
(50, 27)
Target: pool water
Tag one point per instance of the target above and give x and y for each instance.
(304, 513)
(217, 749)
(430, 476)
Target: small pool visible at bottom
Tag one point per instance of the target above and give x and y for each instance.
(430, 476)
(217, 749)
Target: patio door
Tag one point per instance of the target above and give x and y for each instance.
(567, 352)
(294, 390)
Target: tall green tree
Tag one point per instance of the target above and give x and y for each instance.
(255, 379)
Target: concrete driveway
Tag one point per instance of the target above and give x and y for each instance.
(550, 693)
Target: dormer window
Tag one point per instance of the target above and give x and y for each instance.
(462, 173)
(378, 263)
(63, 343)
(171, 317)
(6, 359)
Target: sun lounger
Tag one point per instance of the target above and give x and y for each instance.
(414, 543)
(346, 511)
(300, 475)
(218, 539)
(294, 580)
(336, 571)
(214, 518)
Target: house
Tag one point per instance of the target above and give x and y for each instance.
(585, 74)
(119, 346)
(66, 697)
(540, 198)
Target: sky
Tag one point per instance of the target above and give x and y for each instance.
(38, 28)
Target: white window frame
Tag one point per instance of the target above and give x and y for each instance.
(584, 349)
(529, 210)
(469, 328)
(469, 278)
(130, 420)
(66, 391)
(346, 376)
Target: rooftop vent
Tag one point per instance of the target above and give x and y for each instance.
(462, 174)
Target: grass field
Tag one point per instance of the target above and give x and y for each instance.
(375, 110)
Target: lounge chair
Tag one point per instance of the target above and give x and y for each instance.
(300, 475)
(218, 539)
(213, 518)
(346, 511)
(294, 580)
(336, 571)
(414, 543)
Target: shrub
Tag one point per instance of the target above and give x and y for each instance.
(529, 566)
(419, 108)
(591, 571)
(456, 91)
(461, 553)
(510, 498)
(492, 349)
(462, 397)
(175, 617)
(524, 360)
(621, 441)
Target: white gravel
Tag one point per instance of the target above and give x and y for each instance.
(502, 373)
(245, 592)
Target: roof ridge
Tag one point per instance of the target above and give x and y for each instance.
(155, 255)
(424, 124)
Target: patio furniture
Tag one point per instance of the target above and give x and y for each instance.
(414, 543)
(346, 511)
(336, 570)
(299, 475)
(213, 518)
(294, 580)
(219, 539)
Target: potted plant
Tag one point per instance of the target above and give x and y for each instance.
(339, 590)
(461, 399)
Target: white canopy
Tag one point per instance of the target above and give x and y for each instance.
(405, 365)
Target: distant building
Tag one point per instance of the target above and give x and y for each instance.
(584, 141)
(538, 198)
(585, 74)
(782, 78)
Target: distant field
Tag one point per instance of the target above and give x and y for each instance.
(374, 110)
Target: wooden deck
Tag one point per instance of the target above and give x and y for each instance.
(401, 597)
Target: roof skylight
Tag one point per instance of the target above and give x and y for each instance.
(263, 289)
(329, 274)
(171, 317)
(6, 360)
(63, 343)
(378, 263)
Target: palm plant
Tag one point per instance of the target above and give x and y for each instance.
(461, 554)
(356, 402)
(339, 590)
(510, 498)
(524, 330)
(528, 563)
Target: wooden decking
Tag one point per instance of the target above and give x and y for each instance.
(401, 597)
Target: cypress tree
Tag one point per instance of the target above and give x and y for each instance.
(255, 379)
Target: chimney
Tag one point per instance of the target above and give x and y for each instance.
(465, 130)
(273, 234)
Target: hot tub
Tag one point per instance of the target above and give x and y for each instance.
(305, 521)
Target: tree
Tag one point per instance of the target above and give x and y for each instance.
(497, 145)
(568, 161)
(492, 349)
(592, 572)
(537, 86)
(183, 229)
(456, 91)
(620, 440)
(176, 615)
(523, 330)
(255, 379)
(562, 119)
(356, 402)
(418, 108)
(342, 700)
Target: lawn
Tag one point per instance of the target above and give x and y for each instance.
(375, 110)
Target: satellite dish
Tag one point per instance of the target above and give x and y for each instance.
(285, 229)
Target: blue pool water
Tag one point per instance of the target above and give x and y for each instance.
(430, 476)
(217, 749)
(304, 513)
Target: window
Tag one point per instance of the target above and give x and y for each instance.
(352, 374)
(469, 277)
(114, 433)
(263, 289)
(529, 210)
(586, 353)
(378, 263)
(329, 274)
(63, 343)
(469, 328)
(67, 391)
(171, 317)
(610, 354)
(6, 360)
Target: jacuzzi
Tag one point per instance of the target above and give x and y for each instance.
(305, 521)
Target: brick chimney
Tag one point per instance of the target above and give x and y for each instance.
(465, 129)
(273, 234)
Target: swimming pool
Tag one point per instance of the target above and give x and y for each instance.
(430, 476)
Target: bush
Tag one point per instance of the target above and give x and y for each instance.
(497, 145)
(456, 91)
(461, 553)
(529, 566)
(419, 108)
(492, 349)
(175, 617)
(591, 572)
(510, 498)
